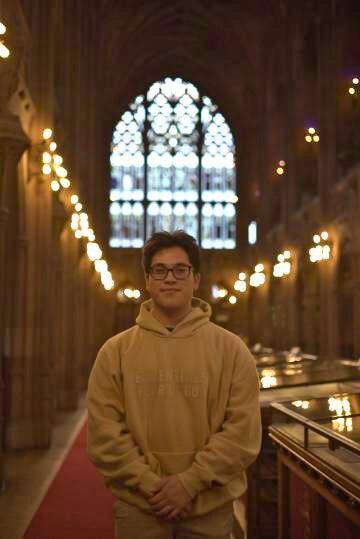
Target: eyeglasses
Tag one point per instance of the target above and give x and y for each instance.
(159, 272)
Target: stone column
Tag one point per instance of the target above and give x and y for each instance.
(13, 142)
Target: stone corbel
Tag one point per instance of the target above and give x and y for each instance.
(13, 142)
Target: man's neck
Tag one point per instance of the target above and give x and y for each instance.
(170, 318)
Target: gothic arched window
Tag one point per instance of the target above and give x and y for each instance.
(172, 167)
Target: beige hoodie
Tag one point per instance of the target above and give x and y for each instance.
(182, 402)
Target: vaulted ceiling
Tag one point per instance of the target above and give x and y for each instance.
(221, 46)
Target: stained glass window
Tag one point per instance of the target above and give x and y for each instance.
(172, 167)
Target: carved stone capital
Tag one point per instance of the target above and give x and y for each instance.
(18, 41)
(13, 140)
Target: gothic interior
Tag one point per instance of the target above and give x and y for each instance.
(238, 121)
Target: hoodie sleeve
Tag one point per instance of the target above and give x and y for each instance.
(110, 444)
(233, 448)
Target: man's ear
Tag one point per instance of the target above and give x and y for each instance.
(197, 279)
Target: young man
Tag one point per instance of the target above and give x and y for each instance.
(173, 406)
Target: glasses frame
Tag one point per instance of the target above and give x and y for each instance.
(189, 268)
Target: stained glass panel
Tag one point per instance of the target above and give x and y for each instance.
(164, 146)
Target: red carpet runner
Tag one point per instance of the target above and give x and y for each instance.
(77, 504)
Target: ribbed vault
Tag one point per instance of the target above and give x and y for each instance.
(217, 45)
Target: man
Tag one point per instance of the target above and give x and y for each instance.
(173, 407)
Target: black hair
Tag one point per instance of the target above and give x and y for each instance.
(164, 240)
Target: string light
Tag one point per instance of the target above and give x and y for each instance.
(52, 167)
(4, 51)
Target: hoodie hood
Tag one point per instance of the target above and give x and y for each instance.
(197, 317)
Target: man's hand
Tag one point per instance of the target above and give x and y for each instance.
(170, 500)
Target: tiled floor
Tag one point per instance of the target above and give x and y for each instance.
(28, 475)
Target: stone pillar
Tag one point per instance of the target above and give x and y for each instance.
(13, 142)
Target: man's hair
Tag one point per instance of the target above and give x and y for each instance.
(165, 240)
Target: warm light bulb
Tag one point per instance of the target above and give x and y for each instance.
(55, 186)
(316, 238)
(47, 133)
(316, 138)
(242, 276)
(355, 80)
(65, 182)
(311, 130)
(280, 171)
(74, 199)
(259, 268)
(4, 51)
(52, 146)
(46, 157)
(78, 206)
(308, 138)
(58, 159)
(2, 28)
(324, 235)
(61, 172)
(282, 163)
(351, 91)
(46, 169)
(280, 258)
(232, 300)
(78, 234)
(287, 254)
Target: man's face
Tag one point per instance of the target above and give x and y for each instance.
(172, 293)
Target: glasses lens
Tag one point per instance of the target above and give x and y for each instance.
(158, 272)
(181, 272)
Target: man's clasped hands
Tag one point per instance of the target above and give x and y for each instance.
(170, 500)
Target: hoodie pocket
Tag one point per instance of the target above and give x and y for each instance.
(173, 462)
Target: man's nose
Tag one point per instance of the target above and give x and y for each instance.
(170, 277)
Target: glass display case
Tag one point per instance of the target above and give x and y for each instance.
(318, 449)
(288, 377)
